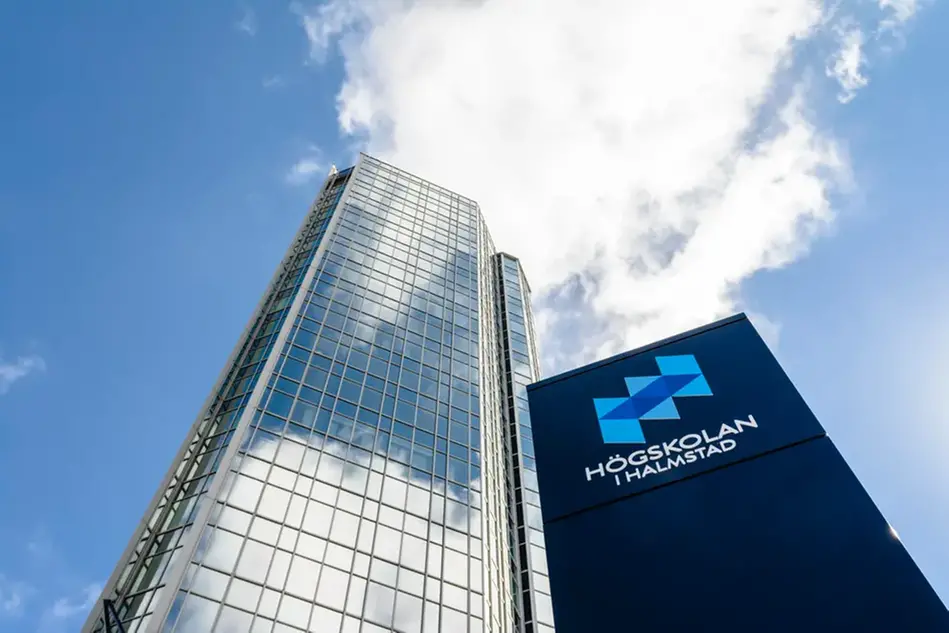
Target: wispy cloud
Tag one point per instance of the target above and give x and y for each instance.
(50, 596)
(68, 607)
(857, 39)
(898, 12)
(325, 21)
(274, 81)
(248, 22)
(305, 169)
(847, 64)
(13, 371)
(13, 597)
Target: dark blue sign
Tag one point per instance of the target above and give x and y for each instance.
(686, 486)
(706, 399)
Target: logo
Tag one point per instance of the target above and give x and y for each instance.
(650, 398)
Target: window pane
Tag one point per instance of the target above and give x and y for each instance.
(333, 585)
(301, 581)
(255, 560)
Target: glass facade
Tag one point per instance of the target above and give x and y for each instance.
(364, 462)
(520, 366)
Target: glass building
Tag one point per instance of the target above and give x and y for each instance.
(365, 459)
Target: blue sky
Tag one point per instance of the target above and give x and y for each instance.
(158, 158)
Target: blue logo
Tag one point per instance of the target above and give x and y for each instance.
(650, 398)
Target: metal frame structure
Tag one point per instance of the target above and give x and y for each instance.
(113, 624)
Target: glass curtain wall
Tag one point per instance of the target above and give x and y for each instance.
(534, 611)
(356, 460)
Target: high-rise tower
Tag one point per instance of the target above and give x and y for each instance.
(364, 461)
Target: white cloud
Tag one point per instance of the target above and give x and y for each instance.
(67, 611)
(60, 597)
(248, 22)
(70, 606)
(12, 371)
(898, 12)
(323, 22)
(642, 166)
(649, 155)
(305, 169)
(847, 63)
(13, 596)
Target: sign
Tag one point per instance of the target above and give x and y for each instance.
(686, 486)
(703, 400)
